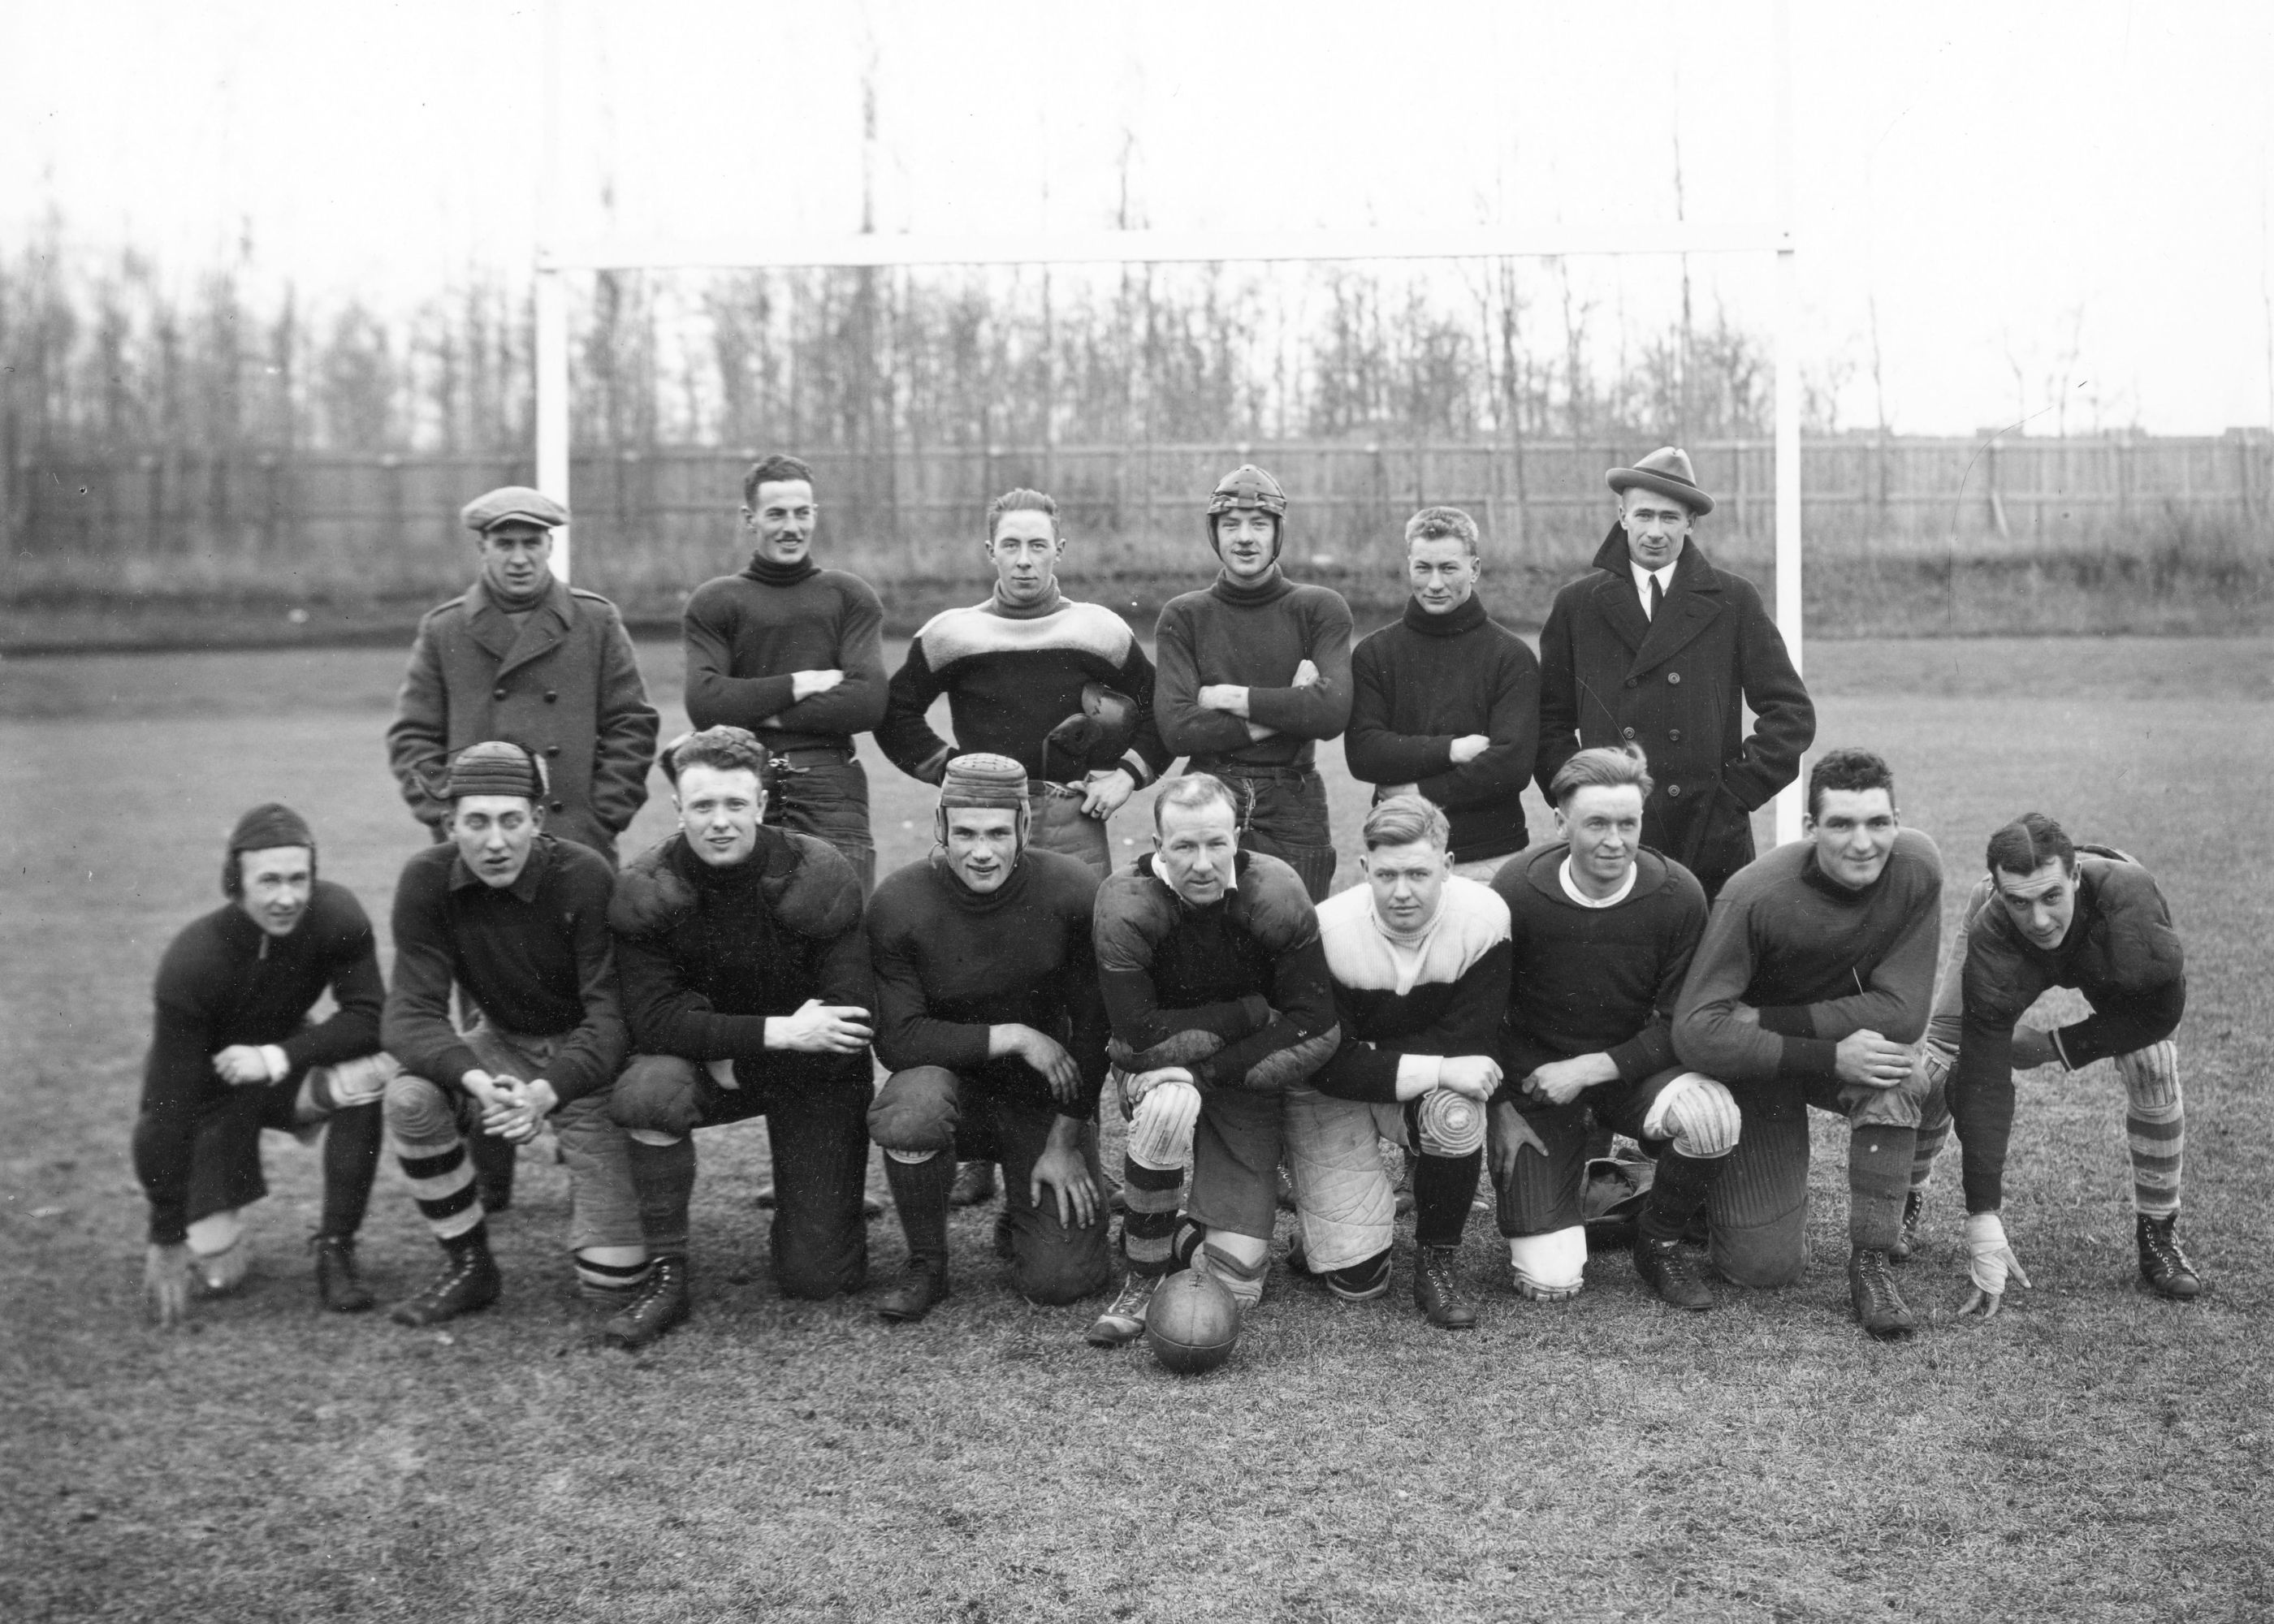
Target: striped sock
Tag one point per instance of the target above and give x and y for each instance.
(1150, 1195)
(604, 1275)
(1933, 1136)
(2155, 1126)
(442, 1183)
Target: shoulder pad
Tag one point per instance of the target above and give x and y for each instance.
(649, 897)
(1273, 905)
(1134, 915)
(811, 888)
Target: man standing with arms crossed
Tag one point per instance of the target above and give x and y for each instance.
(1445, 703)
(794, 654)
(1254, 674)
(1811, 987)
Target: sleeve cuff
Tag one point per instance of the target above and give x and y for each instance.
(279, 1064)
(1787, 1021)
(1810, 1059)
(1416, 1074)
(1133, 764)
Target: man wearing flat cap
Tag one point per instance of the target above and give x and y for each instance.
(1659, 649)
(521, 655)
(234, 1050)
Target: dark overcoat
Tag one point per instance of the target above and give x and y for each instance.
(565, 683)
(1678, 687)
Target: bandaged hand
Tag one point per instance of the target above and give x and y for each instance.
(1990, 1262)
(166, 1277)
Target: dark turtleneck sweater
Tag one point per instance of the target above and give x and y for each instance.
(1423, 682)
(1253, 638)
(951, 963)
(1011, 673)
(746, 635)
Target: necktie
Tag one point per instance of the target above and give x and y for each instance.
(1657, 597)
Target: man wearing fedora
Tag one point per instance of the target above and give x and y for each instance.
(522, 656)
(1659, 649)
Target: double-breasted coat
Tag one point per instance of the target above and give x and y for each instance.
(1678, 687)
(564, 684)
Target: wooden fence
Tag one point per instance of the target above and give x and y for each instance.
(384, 526)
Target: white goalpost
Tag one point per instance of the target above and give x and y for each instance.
(558, 256)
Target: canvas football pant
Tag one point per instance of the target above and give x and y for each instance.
(1344, 1199)
(1757, 1213)
(2155, 1123)
(1234, 1137)
(1283, 814)
(428, 1127)
(1057, 823)
(824, 792)
(927, 1116)
(214, 1145)
(816, 1108)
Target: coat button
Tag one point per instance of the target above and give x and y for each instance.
(1631, 681)
(1674, 790)
(551, 695)
(558, 806)
(1673, 736)
(497, 693)
(1674, 677)
(1626, 733)
(554, 750)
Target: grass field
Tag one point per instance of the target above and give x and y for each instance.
(2093, 1454)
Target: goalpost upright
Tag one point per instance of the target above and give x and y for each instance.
(556, 256)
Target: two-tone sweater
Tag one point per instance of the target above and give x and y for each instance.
(535, 956)
(950, 963)
(2120, 951)
(1408, 1003)
(1818, 962)
(747, 635)
(707, 952)
(1235, 991)
(1255, 637)
(1595, 980)
(1010, 675)
(1425, 680)
(224, 981)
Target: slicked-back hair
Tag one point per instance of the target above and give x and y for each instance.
(1436, 524)
(1402, 819)
(1193, 789)
(1021, 501)
(2028, 844)
(1849, 769)
(1604, 767)
(768, 469)
(722, 750)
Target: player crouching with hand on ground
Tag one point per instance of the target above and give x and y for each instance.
(988, 1014)
(233, 1051)
(746, 979)
(1419, 961)
(2050, 913)
(1603, 933)
(1209, 960)
(520, 920)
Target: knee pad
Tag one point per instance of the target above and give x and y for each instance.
(1451, 1125)
(1698, 1114)
(1551, 1266)
(914, 1115)
(417, 1112)
(2151, 1079)
(342, 1087)
(656, 1092)
(1161, 1126)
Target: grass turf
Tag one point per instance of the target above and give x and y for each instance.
(2093, 1452)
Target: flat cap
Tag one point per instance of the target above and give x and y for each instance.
(485, 514)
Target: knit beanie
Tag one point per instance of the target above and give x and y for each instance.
(982, 780)
(271, 824)
(495, 768)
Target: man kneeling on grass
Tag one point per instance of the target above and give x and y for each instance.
(234, 1052)
(520, 920)
(1209, 960)
(1604, 932)
(1419, 960)
(746, 978)
(2051, 913)
(989, 1015)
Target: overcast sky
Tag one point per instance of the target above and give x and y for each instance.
(2042, 200)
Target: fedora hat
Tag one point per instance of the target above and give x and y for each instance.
(1667, 471)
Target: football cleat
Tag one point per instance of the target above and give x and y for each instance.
(468, 1282)
(662, 1301)
(923, 1286)
(975, 1182)
(1880, 1307)
(1907, 1241)
(1671, 1274)
(337, 1285)
(1437, 1288)
(2163, 1265)
(1123, 1323)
